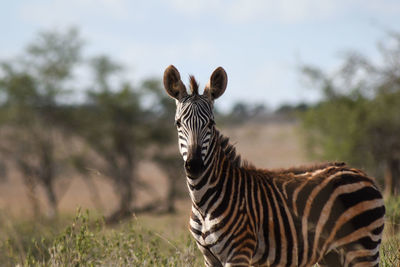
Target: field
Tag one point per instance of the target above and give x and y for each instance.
(80, 238)
(269, 146)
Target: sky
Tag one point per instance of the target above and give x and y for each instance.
(260, 43)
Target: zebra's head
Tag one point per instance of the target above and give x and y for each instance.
(194, 116)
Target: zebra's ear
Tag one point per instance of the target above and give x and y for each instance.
(173, 84)
(217, 84)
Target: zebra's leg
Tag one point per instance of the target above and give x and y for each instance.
(363, 252)
(363, 257)
(332, 259)
(244, 264)
(209, 258)
(239, 259)
(238, 264)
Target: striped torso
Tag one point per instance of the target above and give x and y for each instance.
(292, 217)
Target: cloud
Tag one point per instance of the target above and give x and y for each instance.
(240, 11)
(73, 12)
(286, 11)
(197, 7)
(153, 58)
(283, 11)
(387, 7)
(199, 35)
(229, 11)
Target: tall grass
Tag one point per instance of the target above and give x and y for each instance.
(85, 241)
(390, 249)
(88, 242)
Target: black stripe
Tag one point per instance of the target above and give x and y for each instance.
(359, 221)
(378, 230)
(286, 225)
(218, 188)
(264, 223)
(226, 197)
(249, 185)
(205, 197)
(234, 208)
(347, 178)
(371, 258)
(237, 223)
(276, 225)
(204, 179)
(195, 231)
(302, 197)
(364, 194)
(366, 242)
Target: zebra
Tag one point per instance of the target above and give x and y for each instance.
(329, 213)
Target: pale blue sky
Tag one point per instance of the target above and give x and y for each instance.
(260, 43)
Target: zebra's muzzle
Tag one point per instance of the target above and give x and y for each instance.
(194, 164)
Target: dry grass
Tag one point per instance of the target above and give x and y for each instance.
(165, 237)
(269, 146)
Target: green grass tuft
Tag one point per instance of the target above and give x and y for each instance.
(84, 240)
(88, 242)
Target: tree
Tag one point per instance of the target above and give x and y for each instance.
(171, 164)
(117, 125)
(358, 119)
(243, 112)
(166, 157)
(30, 89)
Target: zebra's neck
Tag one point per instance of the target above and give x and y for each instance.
(219, 161)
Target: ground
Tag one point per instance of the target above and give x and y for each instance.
(145, 239)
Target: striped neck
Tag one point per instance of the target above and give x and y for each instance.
(219, 161)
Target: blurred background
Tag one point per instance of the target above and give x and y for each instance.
(85, 122)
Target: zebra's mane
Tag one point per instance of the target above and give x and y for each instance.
(230, 151)
(236, 161)
(194, 86)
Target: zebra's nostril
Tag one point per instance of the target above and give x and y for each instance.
(194, 166)
(187, 165)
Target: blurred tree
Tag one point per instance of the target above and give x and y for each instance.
(358, 120)
(171, 164)
(165, 156)
(243, 112)
(291, 109)
(120, 123)
(30, 90)
(111, 131)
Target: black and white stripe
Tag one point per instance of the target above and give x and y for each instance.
(329, 214)
(192, 121)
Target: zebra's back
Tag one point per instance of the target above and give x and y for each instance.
(332, 210)
(332, 215)
(242, 215)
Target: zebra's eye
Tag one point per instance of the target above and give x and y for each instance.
(178, 123)
(211, 123)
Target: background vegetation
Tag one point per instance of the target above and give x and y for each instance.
(65, 115)
(358, 119)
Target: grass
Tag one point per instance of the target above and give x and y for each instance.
(390, 248)
(84, 240)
